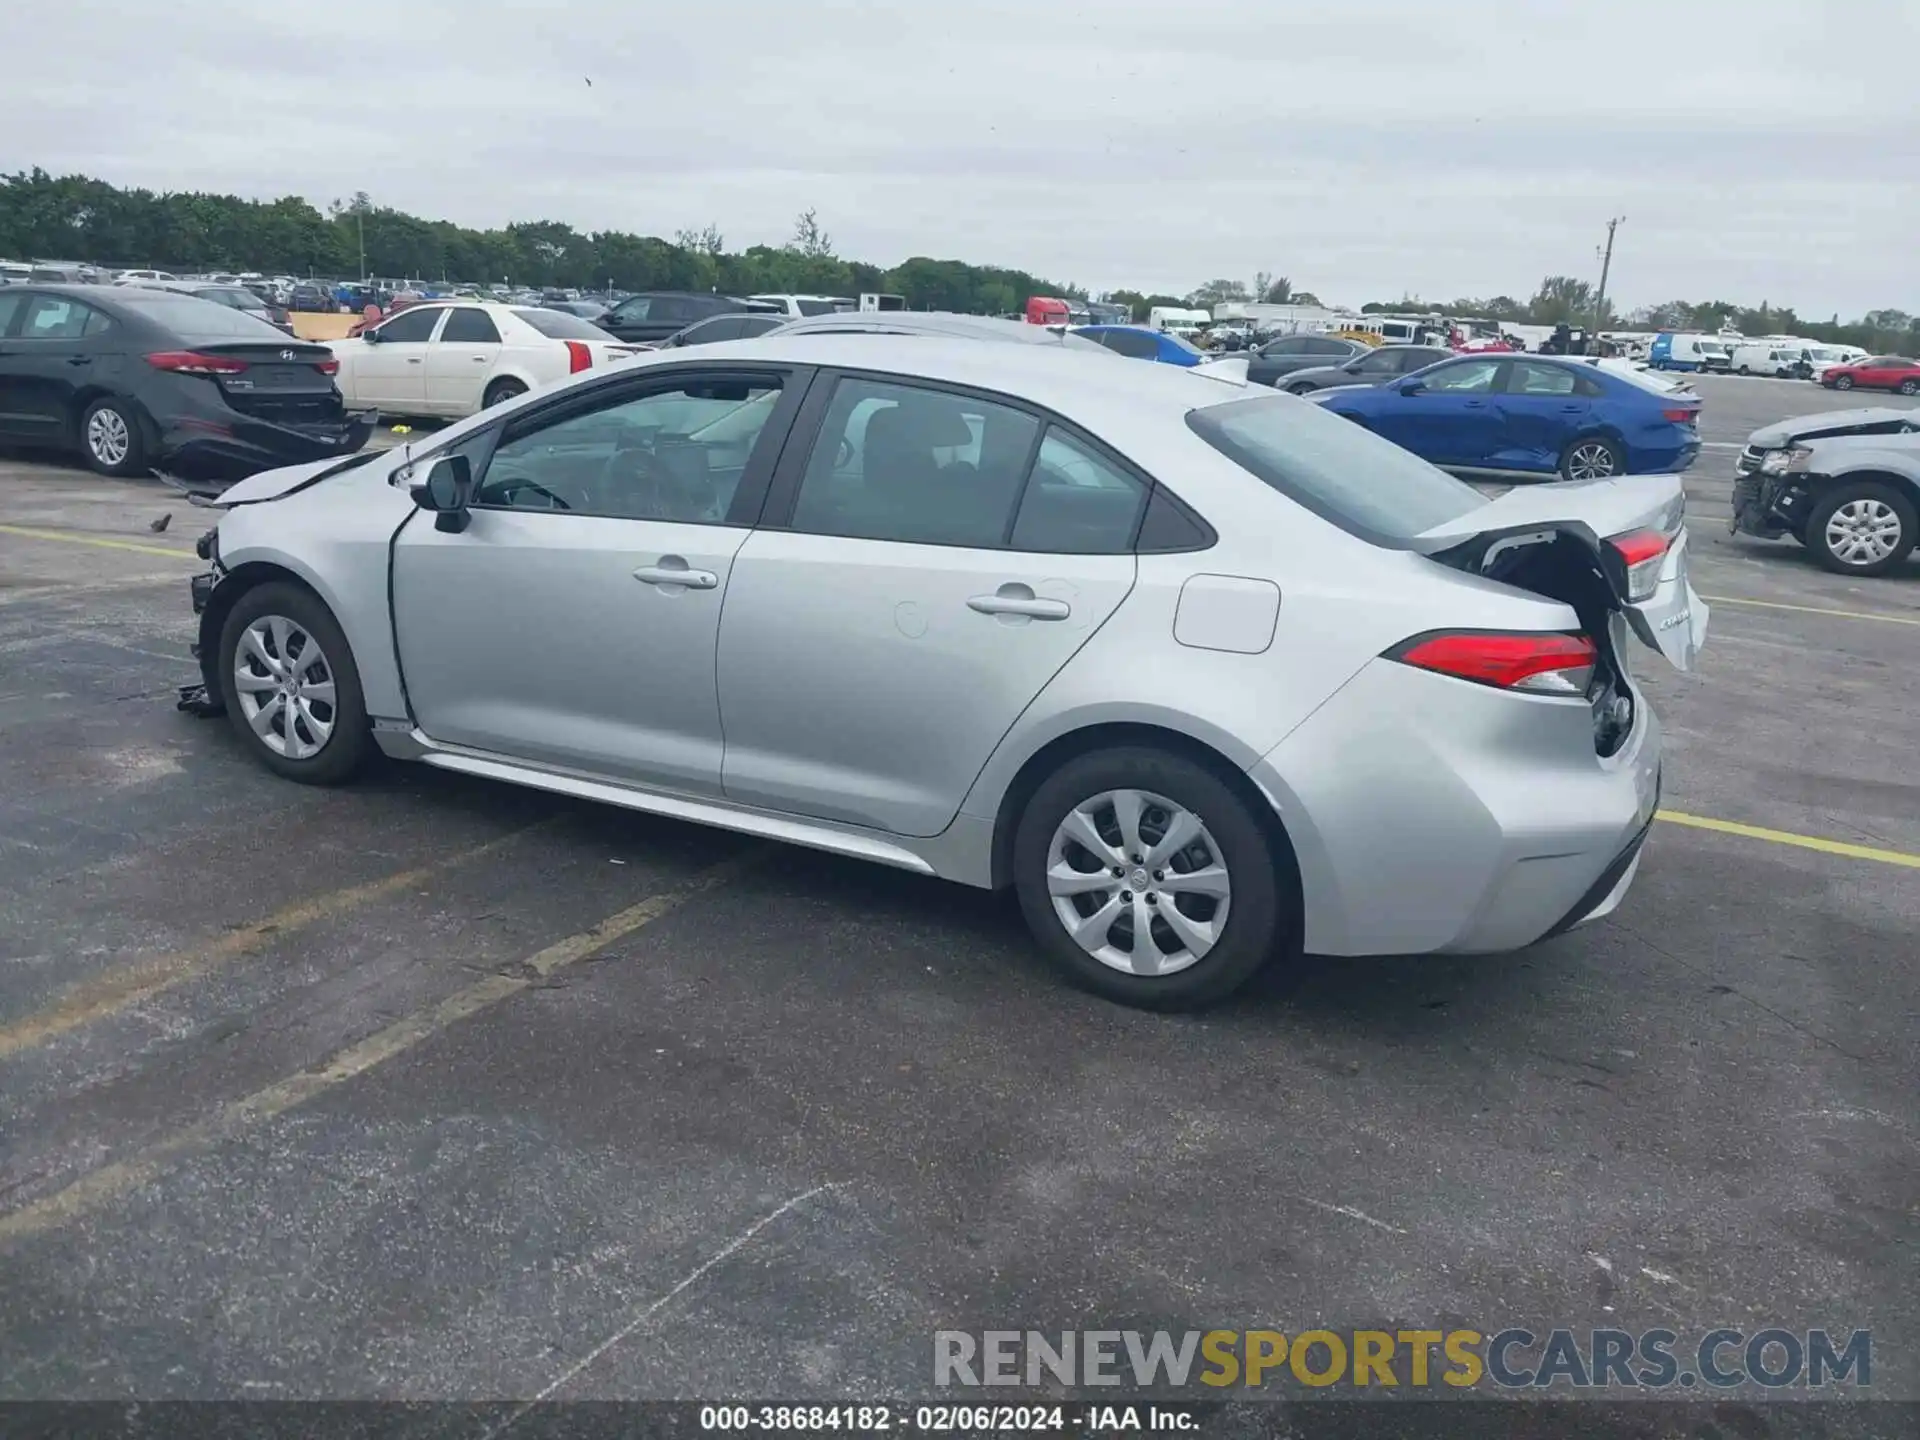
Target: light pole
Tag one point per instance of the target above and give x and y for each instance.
(1606, 264)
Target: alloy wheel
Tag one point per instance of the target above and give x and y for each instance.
(107, 438)
(1138, 882)
(1590, 461)
(286, 687)
(1863, 532)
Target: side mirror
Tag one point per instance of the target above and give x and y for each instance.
(372, 337)
(447, 491)
(1413, 387)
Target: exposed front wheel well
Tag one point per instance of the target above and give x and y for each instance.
(1905, 485)
(1051, 756)
(220, 603)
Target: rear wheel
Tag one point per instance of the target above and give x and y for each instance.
(290, 685)
(1591, 457)
(1745, 371)
(501, 391)
(1863, 528)
(1300, 389)
(111, 437)
(1148, 880)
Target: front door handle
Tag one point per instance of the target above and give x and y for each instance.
(672, 570)
(79, 359)
(1571, 409)
(1018, 600)
(413, 360)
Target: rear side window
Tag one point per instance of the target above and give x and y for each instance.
(1366, 485)
(1076, 502)
(54, 317)
(474, 327)
(10, 305)
(1131, 343)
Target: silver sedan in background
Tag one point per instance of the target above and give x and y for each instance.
(1204, 673)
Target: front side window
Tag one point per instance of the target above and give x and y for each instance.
(634, 310)
(470, 326)
(1469, 377)
(1377, 362)
(898, 462)
(671, 454)
(410, 327)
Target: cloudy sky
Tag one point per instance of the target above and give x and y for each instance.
(1759, 149)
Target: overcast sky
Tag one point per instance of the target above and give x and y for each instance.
(1759, 149)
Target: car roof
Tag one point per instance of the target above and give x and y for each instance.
(933, 324)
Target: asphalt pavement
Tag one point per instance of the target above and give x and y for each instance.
(427, 1088)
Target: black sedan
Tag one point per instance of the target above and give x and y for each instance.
(723, 327)
(1375, 367)
(234, 297)
(654, 316)
(138, 379)
(1291, 353)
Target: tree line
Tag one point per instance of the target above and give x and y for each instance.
(78, 218)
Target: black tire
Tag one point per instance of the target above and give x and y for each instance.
(349, 745)
(1578, 448)
(1745, 371)
(1304, 388)
(1844, 382)
(501, 391)
(1910, 387)
(1261, 916)
(1844, 493)
(114, 411)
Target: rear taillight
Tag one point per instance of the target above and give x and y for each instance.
(327, 367)
(579, 357)
(1644, 551)
(1543, 664)
(1685, 416)
(191, 362)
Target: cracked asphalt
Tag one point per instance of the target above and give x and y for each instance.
(427, 1088)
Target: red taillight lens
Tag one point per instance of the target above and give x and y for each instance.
(1546, 664)
(579, 357)
(1682, 416)
(1644, 552)
(191, 362)
(327, 367)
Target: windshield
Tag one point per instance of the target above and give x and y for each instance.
(817, 307)
(1367, 486)
(558, 325)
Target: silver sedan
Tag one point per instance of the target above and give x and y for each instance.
(1204, 673)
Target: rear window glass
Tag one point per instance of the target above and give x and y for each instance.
(192, 318)
(558, 325)
(1362, 483)
(817, 307)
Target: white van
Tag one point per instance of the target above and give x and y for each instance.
(1783, 362)
(799, 307)
(1178, 320)
(1822, 356)
(1688, 352)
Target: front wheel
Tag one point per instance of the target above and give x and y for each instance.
(1148, 880)
(111, 436)
(1865, 528)
(1302, 389)
(1845, 382)
(1592, 457)
(1910, 387)
(290, 685)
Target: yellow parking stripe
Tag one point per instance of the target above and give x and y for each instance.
(1802, 609)
(118, 1177)
(101, 541)
(1787, 837)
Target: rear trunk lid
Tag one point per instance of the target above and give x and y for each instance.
(280, 384)
(1616, 545)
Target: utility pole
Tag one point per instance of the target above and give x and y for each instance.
(1606, 264)
(361, 217)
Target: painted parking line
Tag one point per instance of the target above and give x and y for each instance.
(1812, 609)
(31, 533)
(1787, 837)
(117, 989)
(117, 1178)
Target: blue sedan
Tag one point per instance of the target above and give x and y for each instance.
(1139, 343)
(1529, 416)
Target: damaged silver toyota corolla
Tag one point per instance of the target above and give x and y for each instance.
(1203, 672)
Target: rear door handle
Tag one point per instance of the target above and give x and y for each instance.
(1571, 409)
(1476, 404)
(672, 570)
(414, 360)
(1019, 600)
(79, 359)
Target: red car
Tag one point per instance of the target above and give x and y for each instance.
(1881, 372)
